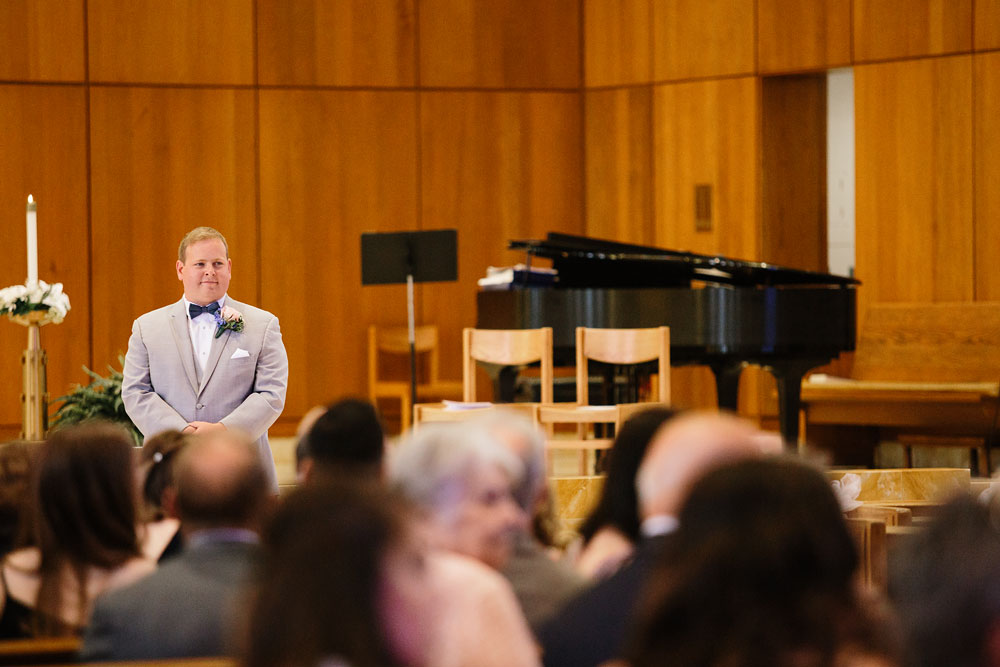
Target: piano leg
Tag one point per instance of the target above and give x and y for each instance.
(727, 384)
(789, 378)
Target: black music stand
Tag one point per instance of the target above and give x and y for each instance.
(393, 258)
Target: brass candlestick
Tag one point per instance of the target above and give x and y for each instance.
(34, 395)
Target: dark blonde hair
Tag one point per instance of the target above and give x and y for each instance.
(200, 234)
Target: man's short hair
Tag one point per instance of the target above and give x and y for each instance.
(220, 481)
(349, 433)
(200, 234)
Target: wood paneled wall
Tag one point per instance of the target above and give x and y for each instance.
(294, 125)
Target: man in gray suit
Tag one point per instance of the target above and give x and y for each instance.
(206, 362)
(189, 606)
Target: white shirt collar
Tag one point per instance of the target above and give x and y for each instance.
(660, 524)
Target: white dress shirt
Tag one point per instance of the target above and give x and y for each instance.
(202, 331)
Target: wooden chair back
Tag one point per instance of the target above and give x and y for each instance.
(507, 347)
(623, 346)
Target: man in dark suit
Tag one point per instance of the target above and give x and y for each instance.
(594, 626)
(188, 606)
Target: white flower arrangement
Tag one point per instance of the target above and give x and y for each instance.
(34, 301)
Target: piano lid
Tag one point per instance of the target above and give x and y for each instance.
(583, 261)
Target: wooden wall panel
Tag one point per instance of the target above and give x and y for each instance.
(186, 160)
(987, 24)
(795, 35)
(333, 164)
(793, 183)
(497, 166)
(913, 125)
(43, 153)
(42, 40)
(702, 38)
(706, 132)
(885, 29)
(617, 42)
(501, 43)
(619, 169)
(343, 43)
(987, 176)
(171, 41)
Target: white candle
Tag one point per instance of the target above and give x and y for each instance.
(32, 241)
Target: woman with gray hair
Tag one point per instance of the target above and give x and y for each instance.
(460, 478)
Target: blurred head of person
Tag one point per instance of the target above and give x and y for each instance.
(84, 510)
(156, 473)
(765, 541)
(346, 439)
(460, 477)
(16, 462)
(221, 483)
(344, 578)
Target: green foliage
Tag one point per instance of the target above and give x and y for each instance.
(101, 399)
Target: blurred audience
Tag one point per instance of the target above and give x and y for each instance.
(761, 571)
(945, 584)
(187, 608)
(83, 526)
(459, 477)
(15, 494)
(346, 439)
(592, 627)
(161, 537)
(541, 583)
(611, 531)
(344, 581)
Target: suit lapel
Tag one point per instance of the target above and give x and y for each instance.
(182, 337)
(218, 344)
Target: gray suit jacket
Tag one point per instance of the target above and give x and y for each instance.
(243, 385)
(187, 608)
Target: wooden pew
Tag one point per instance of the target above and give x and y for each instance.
(922, 373)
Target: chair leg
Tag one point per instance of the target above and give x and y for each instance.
(405, 413)
(907, 456)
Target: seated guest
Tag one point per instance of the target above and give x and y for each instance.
(591, 628)
(161, 537)
(610, 532)
(542, 584)
(15, 492)
(83, 523)
(761, 571)
(347, 439)
(945, 583)
(344, 581)
(459, 478)
(187, 607)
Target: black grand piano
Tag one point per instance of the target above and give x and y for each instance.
(723, 313)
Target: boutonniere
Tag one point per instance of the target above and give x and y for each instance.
(228, 319)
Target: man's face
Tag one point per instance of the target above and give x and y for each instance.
(205, 271)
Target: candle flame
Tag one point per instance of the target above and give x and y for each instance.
(31, 199)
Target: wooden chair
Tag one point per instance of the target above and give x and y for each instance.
(425, 413)
(507, 347)
(395, 341)
(611, 346)
(870, 538)
(584, 418)
(621, 347)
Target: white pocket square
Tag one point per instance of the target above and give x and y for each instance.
(240, 353)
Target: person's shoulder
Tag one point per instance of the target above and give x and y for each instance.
(158, 313)
(250, 312)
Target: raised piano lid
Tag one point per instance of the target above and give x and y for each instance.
(584, 261)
